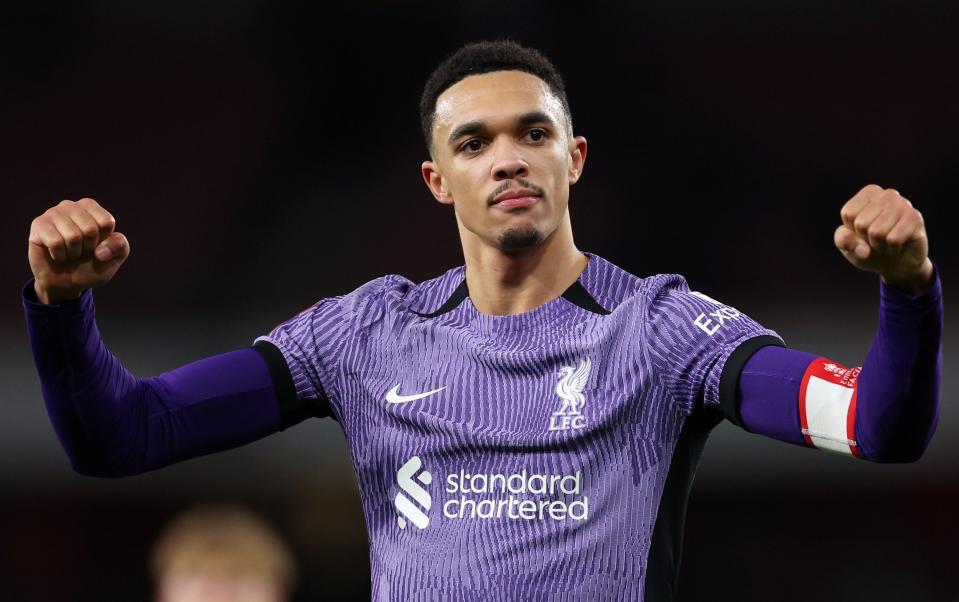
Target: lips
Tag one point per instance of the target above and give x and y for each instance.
(521, 197)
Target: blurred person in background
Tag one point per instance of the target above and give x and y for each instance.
(221, 553)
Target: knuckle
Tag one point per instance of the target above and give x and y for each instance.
(871, 188)
(65, 203)
(890, 195)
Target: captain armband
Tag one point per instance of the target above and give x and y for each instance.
(827, 406)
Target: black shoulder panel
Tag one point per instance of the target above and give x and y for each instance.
(578, 295)
(455, 299)
(575, 294)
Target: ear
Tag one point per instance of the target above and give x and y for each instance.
(577, 158)
(434, 181)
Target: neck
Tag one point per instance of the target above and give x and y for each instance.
(511, 283)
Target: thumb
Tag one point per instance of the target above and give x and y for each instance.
(850, 244)
(114, 248)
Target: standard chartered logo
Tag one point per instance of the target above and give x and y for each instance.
(516, 496)
(407, 509)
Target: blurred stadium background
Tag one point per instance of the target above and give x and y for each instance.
(260, 156)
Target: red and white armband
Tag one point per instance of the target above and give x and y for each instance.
(827, 406)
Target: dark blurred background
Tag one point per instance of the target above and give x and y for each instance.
(260, 156)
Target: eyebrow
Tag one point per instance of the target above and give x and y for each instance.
(472, 127)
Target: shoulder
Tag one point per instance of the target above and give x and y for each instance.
(660, 303)
(429, 295)
(391, 294)
(613, 287)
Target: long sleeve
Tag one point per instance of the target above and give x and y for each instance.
(112, 423)
(890, 408)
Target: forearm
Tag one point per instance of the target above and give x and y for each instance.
(896, 404)
(112, 423)
(904, 377)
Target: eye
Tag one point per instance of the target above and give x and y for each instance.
(473, 145)
(536, 134)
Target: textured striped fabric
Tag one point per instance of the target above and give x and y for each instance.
(535, 471)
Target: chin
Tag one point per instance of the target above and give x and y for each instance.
(519, 238)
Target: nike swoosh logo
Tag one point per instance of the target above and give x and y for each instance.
(393, 395)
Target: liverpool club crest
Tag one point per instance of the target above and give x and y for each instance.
(570, 390)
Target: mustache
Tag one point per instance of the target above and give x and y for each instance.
(523, 183)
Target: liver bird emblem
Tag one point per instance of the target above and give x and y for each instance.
(570, 387)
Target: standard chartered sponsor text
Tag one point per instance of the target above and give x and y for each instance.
(528, 496)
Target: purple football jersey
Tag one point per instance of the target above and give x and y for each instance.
(540, 456)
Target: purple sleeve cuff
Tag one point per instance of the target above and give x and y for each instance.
(897, 408)
(112, 423)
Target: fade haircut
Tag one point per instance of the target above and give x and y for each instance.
(484, 57)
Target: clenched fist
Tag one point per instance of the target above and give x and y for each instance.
(73, 247)
(883, 233)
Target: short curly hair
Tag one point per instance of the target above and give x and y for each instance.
(225, 540)
(476, 58)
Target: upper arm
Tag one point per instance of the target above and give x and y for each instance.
(695, 341)
(885, 411)
(215, 403)
(302, 354)
(306, 353)
(800, 398)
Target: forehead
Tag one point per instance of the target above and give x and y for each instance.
(493, 96)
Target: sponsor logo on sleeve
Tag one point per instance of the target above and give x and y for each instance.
(710, 322)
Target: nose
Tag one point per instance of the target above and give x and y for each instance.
(508, 163)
